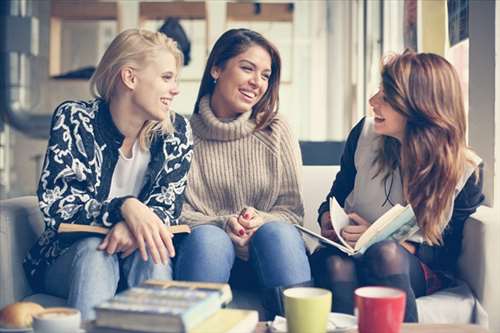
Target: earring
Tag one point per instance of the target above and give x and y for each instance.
(215, 82)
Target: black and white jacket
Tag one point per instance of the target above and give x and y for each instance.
(82, 153)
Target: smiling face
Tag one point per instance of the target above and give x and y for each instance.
(241, 82)
(387, 120)
(156, 86)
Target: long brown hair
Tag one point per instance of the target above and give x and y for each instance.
(432, 155)
(229, 45)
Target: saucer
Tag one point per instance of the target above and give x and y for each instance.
(337, 323)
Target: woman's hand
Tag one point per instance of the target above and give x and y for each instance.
(327, 230)
(119, 239)
(352, 232)
(239, 236)
(250, 220)
(149, 231)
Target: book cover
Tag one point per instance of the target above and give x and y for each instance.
(69, 232)
(398, 223)
(224, 290)
(222, 321)
(157, 309)
(229, 321)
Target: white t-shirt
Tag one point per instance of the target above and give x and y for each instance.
(128, 176)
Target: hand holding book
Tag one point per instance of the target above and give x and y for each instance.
(398, 223)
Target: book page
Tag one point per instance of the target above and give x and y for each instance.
(325, 240)
(398, 224)
(339, 220)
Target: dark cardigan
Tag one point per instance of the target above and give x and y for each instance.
(442, 258)
(82, 153)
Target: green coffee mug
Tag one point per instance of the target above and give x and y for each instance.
(307, 309)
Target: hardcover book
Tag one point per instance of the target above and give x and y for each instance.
(70, 232)
(152, 308)
(398, 223)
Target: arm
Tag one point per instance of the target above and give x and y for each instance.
(344, 180)
(192, 218)
(288, 205)
(167, 195)
(67, 191)
(465, 204)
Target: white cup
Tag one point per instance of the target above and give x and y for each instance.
(57, 320)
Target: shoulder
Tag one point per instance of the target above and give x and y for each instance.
(71, 108)
(181, 124)
(74, 116)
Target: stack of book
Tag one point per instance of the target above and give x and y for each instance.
(173, 306)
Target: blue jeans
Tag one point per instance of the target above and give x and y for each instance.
(277, 256)
(87, 276)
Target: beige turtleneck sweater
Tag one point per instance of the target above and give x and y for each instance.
(236, 167)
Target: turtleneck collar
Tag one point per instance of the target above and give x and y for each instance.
(207, 126)
(110, 133)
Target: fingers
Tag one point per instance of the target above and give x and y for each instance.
(358, 219)
(127, 252)
(142, 247)
(112, 246)
(351, 233)
(166, 237)
(151, 245)
(234, 227)
(162, 250)
(104, 243)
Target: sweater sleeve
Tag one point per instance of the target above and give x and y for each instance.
(344, 180)
(193, 218)
(445, 256)
(288, 206)
(167, 195)
(66, 191)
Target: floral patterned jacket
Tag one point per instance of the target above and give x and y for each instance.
(76, 177)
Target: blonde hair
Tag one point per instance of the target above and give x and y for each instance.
(133, 47)
(432, 156)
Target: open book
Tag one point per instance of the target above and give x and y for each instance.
(398, 223)
(71, 232)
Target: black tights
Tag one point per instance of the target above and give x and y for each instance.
(384, 264)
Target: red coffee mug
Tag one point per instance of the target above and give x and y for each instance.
(380, 309)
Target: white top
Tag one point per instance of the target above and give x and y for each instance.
(128, 176)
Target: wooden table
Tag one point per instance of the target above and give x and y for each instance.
(414, 328)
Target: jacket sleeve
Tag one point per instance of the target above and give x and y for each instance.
(167, 195)
(344, 180)
(445, 256)
(289, 206)
(67, 187)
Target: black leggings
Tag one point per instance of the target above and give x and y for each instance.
(384, 264)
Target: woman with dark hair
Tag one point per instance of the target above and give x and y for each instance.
(243, 193)
(412, 151)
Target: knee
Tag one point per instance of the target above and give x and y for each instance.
(384, 253)
(209, 240)
(88, 256)
(278, 233)
(87, 252)
(336, 265)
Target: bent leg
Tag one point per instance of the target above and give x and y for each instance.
(278, 255)
(85, 275)
(206, 254)
(136, 270)
(336, 271)
(388, 264)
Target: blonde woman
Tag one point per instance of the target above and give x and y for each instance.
(412, 151)
(119, 161)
